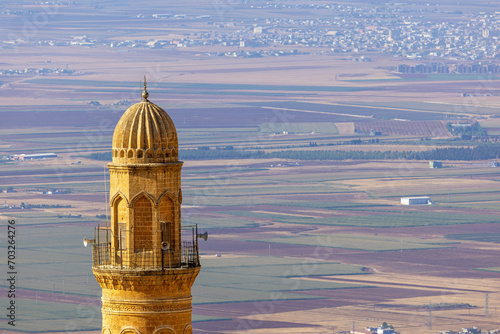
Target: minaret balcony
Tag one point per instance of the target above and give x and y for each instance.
(107, 254)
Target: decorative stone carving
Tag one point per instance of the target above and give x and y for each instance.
(188, 330)
(130, 330)
(147, 306)
(164, 330)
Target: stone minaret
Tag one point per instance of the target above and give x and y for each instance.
(144, 260)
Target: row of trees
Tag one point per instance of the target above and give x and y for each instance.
(466, 131)
(447, 306)
(105, 156)
(42, 206)
(10, 189)
(481, 152)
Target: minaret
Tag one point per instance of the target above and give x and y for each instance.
(145, 261)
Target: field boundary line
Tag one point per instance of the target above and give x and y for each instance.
(316, 112)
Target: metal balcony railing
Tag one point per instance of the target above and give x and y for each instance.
(105, 256)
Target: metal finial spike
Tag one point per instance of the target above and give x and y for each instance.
(145, 93)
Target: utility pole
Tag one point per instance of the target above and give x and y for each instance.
(430, 315)
(486, 305)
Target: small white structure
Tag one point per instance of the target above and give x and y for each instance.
(416, 200)
(34, 156)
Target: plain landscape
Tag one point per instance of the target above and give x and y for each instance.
(299, 134)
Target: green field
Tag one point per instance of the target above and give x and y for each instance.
(374, 243)
(396, 219)
(329, 128)
(482, 237)
(190, 87)
(247, 279)
(37, 316)
(493, 269)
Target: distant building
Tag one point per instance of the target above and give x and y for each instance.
(424, 68)
(473, 330)
(462, 125)
(416, 201)
(374, 330)
(385, 331)
(162, 16)
(435, 164)
(34, 156)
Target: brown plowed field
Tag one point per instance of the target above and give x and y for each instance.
(405, 128)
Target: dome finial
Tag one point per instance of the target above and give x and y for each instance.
(145, 93)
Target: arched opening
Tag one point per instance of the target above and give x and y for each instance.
(168, 236)
(119, 229)
(140, 154)
(143, 225)
(130, 154)
(122, 154)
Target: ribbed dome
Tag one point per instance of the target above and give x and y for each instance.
(145, 134)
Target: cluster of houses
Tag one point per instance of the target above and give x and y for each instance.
(472, 330)
(38, 71)
(23, 157)
(362, 30)
(474, 68)
(375, 330)
(392, 29)
(390, 330)
(352, 29)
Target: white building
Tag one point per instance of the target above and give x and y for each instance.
(416, 200)
(34, 156)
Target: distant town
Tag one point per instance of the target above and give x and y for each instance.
(38, 71)
(392, 29)
(389, 329)
(37, 156)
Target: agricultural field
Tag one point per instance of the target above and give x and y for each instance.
(287, 238)
(290, 237)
